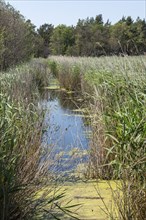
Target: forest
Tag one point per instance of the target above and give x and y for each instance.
(21, 40)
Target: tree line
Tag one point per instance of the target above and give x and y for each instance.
(93, 37)
(17, 37)
(20, 40)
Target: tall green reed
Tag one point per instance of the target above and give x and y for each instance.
(116, 87)
(119, 136)
(20, 139)
(26, 188)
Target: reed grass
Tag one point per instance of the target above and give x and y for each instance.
(116, 88)
(27, 189)
(20, 139)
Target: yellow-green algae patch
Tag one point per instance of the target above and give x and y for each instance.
(55, 87)
(70, 92)
(84, 110)
(93, 197)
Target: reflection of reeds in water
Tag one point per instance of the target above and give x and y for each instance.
(64, 141)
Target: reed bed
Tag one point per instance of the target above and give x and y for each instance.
(27, 188)
(21, 174)
(116, 89)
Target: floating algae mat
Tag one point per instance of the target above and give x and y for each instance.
(93, 197)
(90, 200)
(54, 85)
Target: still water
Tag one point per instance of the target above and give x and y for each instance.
(65, 135)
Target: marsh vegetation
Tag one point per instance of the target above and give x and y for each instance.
(115, 87)
(27, 188)
(111, 92)
(71, 124)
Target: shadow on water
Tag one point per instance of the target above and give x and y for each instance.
(64, 135)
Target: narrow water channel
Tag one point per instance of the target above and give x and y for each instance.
(65, 135)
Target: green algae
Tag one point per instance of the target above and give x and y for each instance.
(83, 110)
(70, 92)
(95, 198)
(55, 87)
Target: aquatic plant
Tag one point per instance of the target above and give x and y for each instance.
(20, 141)
(116, 87)
(27, 190)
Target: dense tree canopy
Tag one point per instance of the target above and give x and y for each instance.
(45, 32)
(19, 40)
(93, 37)
(17, 37)
(62, 40)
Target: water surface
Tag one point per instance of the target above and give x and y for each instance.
(64, 137)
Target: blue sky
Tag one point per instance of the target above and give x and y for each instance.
(68, 12)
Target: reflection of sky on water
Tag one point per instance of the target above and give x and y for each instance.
(65, 132)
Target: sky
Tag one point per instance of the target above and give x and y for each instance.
(69, 11)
